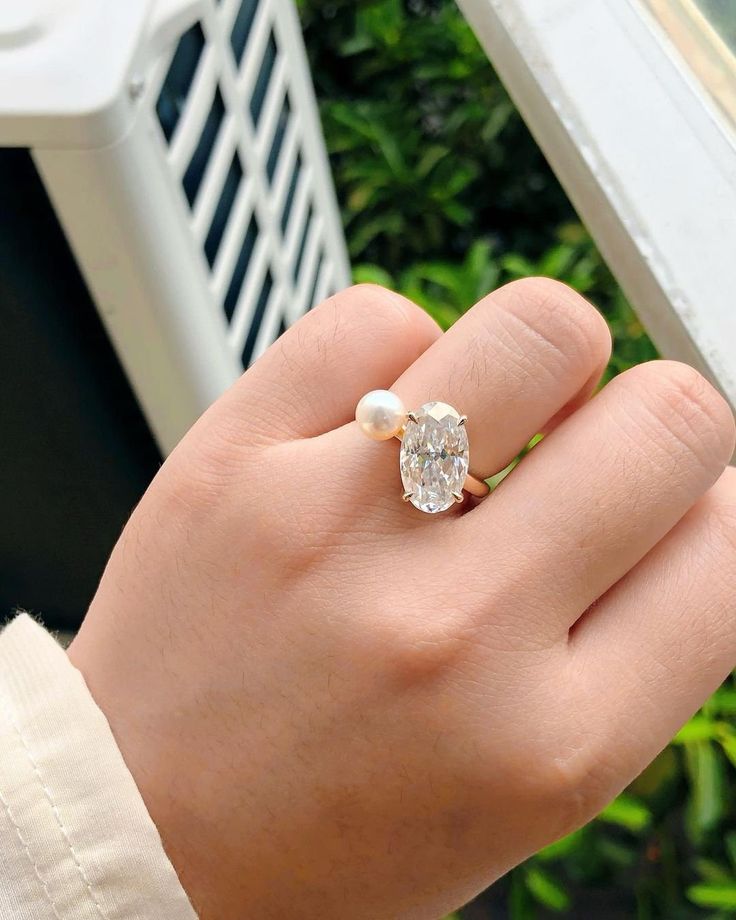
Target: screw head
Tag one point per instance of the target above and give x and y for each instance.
(135, 88)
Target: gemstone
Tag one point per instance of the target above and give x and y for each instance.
(434, 457)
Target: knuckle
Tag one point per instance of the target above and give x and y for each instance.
(575, 784)
(567, 765)
(420, 654)
(572, 772)
(689, 410)
(187, 491)
(207, 465)
(569, 786)
(219, 456)
(558, 316)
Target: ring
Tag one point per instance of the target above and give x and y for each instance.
(434, 459)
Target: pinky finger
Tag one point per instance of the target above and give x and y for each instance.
(663, 638)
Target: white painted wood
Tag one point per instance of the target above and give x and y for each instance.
(249, 295)
(116, 182)
(271, 320)
(314, 250)
(213, 179)
(195, 112)
(646, 156)
(232, 241)
(143, 269)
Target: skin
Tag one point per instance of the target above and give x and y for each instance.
(334, 705)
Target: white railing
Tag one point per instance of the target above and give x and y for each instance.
(180, 144)
(646, 155)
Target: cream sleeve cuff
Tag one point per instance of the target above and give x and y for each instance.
(76, 840)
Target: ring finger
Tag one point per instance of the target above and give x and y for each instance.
(593, 499)
(514, 364)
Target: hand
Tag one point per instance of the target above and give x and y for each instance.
(337, 706)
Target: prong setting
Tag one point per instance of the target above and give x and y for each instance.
(434, 457)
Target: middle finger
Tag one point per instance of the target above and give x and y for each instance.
(512, 364)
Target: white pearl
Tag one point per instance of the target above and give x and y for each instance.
(380, 415)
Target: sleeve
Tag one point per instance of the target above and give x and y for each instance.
(76, 840)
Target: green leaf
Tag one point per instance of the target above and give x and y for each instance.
(616, 854)
(628, 812)
(728, 745)
(495, 481)
(368, 232)
(661, 774)
(711, 871)
(563, 847)
(556, 260)
(381, 18)
(515, 264)
(546, 889)
(705, 807)
(719, 895)
(497, 119)
(430, 158)
(443, 315)
(372, 274)
(520, 903)
(441, 273)
(360, 197)
(357, 44)
(723, 701)
(699, 728)
(458, 213)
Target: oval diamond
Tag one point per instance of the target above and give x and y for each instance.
(434, 457)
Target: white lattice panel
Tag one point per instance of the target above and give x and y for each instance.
(191, 180)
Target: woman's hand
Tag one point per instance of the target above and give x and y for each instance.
(336, 706)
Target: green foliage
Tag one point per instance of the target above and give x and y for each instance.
(627, 812)
(445, 196)
(545, 888)
(663, 848)
(444, 193)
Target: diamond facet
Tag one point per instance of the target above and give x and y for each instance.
(434, 457)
